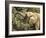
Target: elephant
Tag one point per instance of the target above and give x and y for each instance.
(34, 19)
